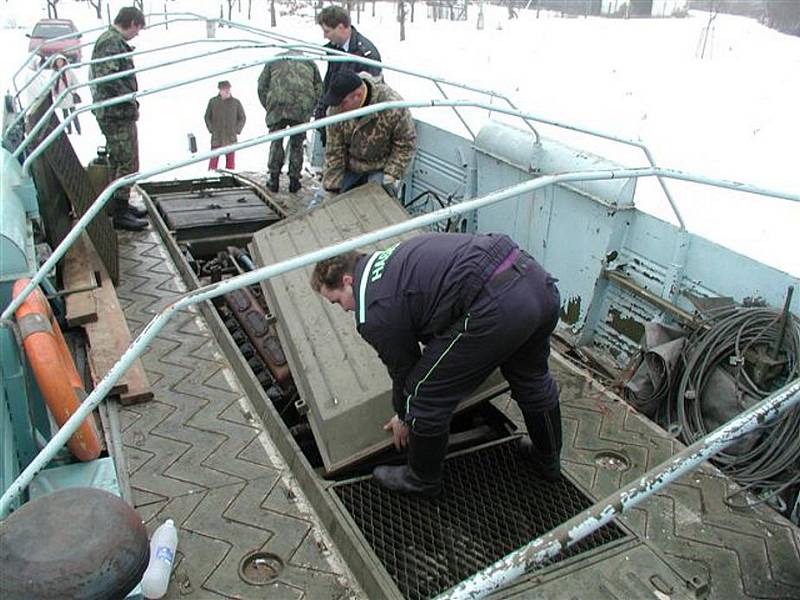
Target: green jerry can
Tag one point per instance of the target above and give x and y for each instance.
(99, 172)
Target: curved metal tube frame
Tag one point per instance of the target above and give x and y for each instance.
(593, 518)
(181, 17)
(212, 291)
(331, 55)
(42, 93)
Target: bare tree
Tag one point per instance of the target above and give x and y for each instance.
(98, 6)
(273, 20)
(52, 11)
(783, 16)
(373, 8)
(230, 9)
(139, 4)
(401, 16)
(249, 8)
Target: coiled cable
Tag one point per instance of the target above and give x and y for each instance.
(733, 338)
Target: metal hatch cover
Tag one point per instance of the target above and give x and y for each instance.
(339, 376)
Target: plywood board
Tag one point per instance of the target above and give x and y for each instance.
(109, 337)
(76, 274)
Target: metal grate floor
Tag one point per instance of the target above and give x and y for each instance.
(492, 505)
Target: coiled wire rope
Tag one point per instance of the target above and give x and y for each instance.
(729, 339)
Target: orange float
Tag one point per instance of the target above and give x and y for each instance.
(55, 372)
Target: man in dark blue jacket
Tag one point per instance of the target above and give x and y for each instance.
(475, 303)
(341, 35)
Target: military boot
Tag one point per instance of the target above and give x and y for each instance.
(125, 220)
(272, 184)
(423, 473)
(139, 213)
(294, 185)
(543, 444)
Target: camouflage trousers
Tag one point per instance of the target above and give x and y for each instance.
(276, 151)
(122, 145)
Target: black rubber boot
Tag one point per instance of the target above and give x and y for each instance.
(139, 213)
(543, 444)
(294, 185)
(423, 473)
(126, 220)
(272, 184)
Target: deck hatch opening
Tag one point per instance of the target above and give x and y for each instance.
(493, 504)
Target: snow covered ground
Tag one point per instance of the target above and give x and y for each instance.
(732, 114)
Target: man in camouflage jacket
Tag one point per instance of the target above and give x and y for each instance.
(377, 147)
(288, 90)
(118, 121)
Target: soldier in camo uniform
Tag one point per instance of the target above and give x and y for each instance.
(377, 147)
(288, 90)
(118, 121)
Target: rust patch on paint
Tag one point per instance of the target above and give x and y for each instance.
(627, 326)
(571, 311)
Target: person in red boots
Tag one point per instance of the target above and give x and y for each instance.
(225, 120)
(443, 311)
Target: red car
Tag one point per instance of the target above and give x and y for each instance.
(47, 29)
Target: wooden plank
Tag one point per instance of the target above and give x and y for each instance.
(76, 274)
(109, 337)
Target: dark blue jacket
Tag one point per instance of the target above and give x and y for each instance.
(359, 46)
(418, 288)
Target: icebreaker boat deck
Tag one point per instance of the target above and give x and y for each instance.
(248, 410)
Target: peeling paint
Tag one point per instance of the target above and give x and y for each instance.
(626, 325)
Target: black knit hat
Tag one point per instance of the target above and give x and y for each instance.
(342, 84)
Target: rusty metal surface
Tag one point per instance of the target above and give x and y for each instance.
(260, 331)
(95, 546)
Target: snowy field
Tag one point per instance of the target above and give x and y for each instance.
(732, 114)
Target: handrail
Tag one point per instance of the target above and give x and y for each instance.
(217, 289)
(344, 58)
(32, 55)
(31, 136)
(101, 200)
(491, 93)
(331, 55)
(46, 89)
(434, 79)
(570, 532)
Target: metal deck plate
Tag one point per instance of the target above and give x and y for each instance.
(197, 454)
(340, 377)
(224, 206)
(492, 504)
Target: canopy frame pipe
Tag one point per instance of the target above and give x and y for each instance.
(434, 79)
(325, 54)
(551, 544)
(126, 97)
(74, 66)
(348, 58)
(209, 292)
(133, 178)
(181, 16)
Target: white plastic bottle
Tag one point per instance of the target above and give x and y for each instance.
(317, 198)
(162, 555)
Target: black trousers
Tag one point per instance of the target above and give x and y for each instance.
(507, 326)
